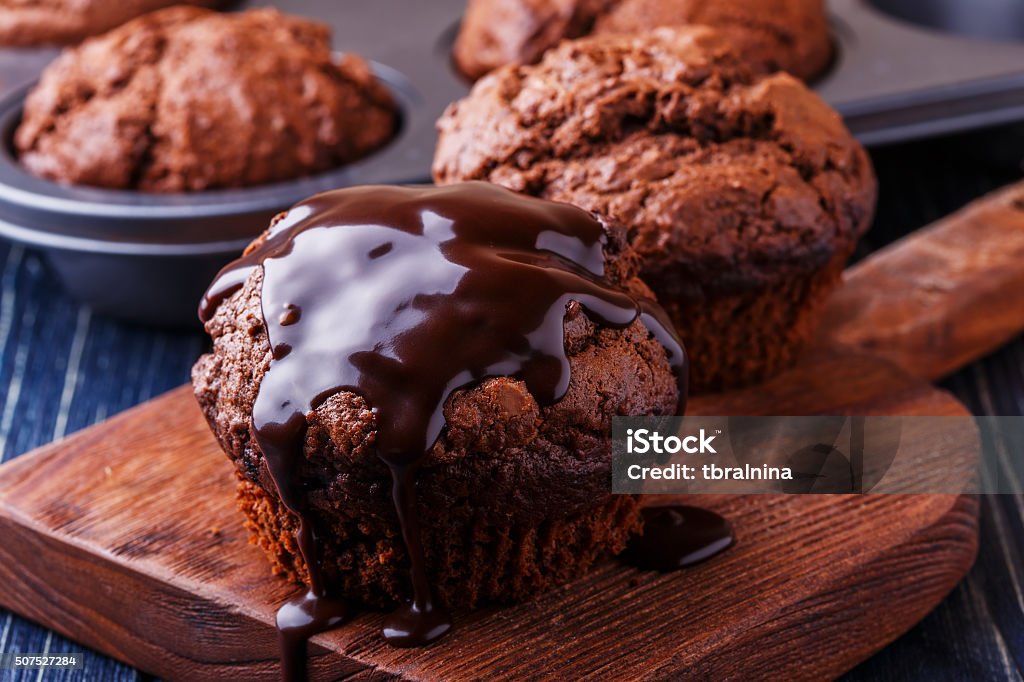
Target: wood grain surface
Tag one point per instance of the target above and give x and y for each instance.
(941, 297)
(143, 557)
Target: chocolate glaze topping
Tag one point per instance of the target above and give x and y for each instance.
(403, 296)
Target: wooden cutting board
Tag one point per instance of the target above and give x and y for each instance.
(125, 536)
(140, 553)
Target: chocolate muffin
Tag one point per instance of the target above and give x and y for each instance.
(186, 99)
(47, 22)
(744, 195)
(771, 35)
(488, 395)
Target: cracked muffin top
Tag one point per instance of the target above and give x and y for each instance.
(557, 453)
(186, 99)
(723, 177)
(770, 35)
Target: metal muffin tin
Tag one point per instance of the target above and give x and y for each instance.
(148, 257)
(900, 73)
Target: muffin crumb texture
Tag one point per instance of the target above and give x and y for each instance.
(186, 99)
(512, 499)
(26, 23)
(744, 194)
(770, 35)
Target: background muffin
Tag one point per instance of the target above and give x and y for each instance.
(744, 195)
(512, 498)
(41, 22)
(771, 35)
(187, 99)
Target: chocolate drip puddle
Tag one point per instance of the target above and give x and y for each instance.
(676, 537)
(404, 296)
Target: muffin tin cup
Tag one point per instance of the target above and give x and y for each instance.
(984, 19)
(903, 69)
(148, 257)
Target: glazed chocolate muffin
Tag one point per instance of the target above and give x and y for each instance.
(186, 99)
(47, 22)
(511, 479)
(744, 195)
(771, 35)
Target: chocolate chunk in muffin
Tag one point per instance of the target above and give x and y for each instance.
(744, 195)
(186, 99)
(467, 343)
(770, 35)
(47, 22)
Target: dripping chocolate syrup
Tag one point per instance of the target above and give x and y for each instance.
(423, 291)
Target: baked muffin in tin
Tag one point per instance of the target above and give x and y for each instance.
(186, 99)
(25, 23)
(770, 35)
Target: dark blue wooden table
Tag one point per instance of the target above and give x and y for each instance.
(62, 369)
